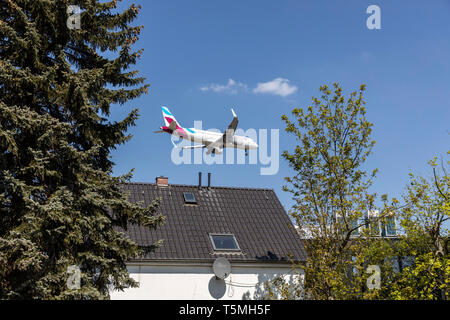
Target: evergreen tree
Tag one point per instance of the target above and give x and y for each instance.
(59, 203)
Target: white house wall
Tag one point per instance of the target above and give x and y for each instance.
(196, 281)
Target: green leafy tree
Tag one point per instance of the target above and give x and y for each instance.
(59, 203)
(331, 193)
(425, 238)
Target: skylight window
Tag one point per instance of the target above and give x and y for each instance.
(224, 242)
(189, 198)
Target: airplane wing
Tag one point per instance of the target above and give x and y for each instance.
(226, 137)
(218, 144)
(229, 133)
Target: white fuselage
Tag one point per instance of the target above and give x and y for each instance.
(209, 137)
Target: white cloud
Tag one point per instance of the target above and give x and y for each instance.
(278, 86)
(232, 87)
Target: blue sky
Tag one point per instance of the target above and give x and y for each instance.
(189, 45)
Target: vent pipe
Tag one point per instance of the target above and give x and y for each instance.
(209, 180)
(199, 180)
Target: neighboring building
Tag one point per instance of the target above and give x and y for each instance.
(386, 229)
(380, 229)
(247, 226)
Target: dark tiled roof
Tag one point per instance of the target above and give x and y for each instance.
(256, 217)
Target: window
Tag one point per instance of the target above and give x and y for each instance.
(354, 225)
(224, 242)
(374, 223)
(390, 227)
(408, 261)
(189, 198)
(394, 262)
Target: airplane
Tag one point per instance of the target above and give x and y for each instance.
(215, 142)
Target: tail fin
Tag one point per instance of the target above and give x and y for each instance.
(169, 118)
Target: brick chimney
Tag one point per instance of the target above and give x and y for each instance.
(162, 181)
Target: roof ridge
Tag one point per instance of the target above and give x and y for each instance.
(196, 186)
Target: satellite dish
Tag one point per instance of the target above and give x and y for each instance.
(221, 267)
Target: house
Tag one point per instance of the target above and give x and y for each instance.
(247, 226)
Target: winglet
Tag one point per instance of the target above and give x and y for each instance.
(234, 113)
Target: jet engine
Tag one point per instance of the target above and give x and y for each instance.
(215, 151)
